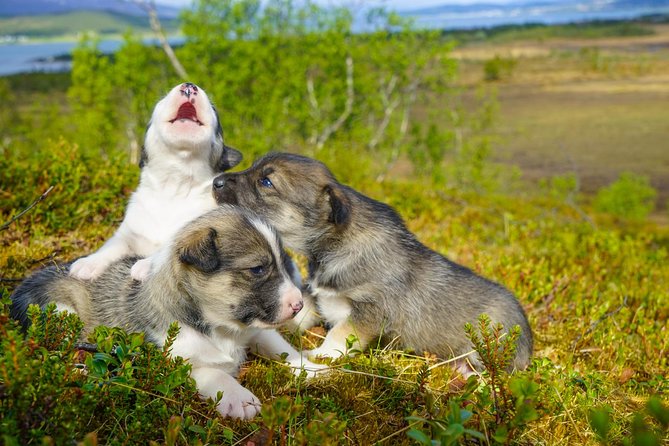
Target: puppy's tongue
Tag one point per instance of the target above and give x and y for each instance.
(186, 111)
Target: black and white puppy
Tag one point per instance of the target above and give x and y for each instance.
(223, 278)
(183, 151)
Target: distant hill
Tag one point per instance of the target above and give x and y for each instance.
(452, 15)
(16, 8)
(74, 23)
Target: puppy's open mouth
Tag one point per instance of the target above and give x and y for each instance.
(186, 112)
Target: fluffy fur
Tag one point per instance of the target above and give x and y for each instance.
(183, 151)
(223, 279)
(368, 273)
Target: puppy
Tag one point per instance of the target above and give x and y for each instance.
(368, 273)
(222, 279)
(183, 151)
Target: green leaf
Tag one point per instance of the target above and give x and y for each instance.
(658, 411)
(419, 436)
(600, 421)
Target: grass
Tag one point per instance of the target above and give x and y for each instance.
(596, 109)
(596, 297)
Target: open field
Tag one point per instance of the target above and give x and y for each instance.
(596, 107)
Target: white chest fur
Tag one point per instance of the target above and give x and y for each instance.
(222, 351)
(154, 216)
(332, 306)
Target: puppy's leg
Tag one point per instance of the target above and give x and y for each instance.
(90, 267)
(334, 345)
(141, 269)
(270, 344)
(237, 401)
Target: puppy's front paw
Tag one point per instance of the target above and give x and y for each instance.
(88, 268)
(141, 269)
(321, 352)
(312, 368)
(238, 402)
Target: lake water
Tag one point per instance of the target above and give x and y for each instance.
(29, 57)
(25, 57)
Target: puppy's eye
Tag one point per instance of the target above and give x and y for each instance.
(257, 270)
(265, 182)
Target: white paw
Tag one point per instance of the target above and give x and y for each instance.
(141, 269)
(88, 268)
(323, 353)
(238, 402)
(312, 368)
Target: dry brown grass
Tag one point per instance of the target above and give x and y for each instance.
(595, 107)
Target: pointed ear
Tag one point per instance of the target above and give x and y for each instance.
(229, 158)
(199, 250)
(339, 204)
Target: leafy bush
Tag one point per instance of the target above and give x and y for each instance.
(55, 391)
(630, 196)
(498, 68)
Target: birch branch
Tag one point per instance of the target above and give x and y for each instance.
(348, 107)
(32, 205)
(388, 111)
(149, 6)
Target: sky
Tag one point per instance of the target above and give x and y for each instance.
(396, 4)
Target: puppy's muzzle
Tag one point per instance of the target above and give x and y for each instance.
(296, 307)
(222, 188)
(219, 182)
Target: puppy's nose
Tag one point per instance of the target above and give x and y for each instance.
(296, 306)
(219, 182)
(188, 89)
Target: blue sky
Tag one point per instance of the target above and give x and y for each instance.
(398, 4)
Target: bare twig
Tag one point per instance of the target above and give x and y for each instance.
(390, 107)
(149, 6)
(571, 198)
(597, 322)
(348, 107)
(86, 346)
(32, 205)
(313, 102)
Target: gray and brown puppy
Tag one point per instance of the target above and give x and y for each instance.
(368, 273)
(223, 278)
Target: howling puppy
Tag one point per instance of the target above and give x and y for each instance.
(368, 273)
(183, 151)
(223, 279)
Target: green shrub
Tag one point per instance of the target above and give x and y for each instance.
(631, 196)
(54, 391)
(498, 68)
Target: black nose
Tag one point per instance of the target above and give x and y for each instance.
(219, 182)
(188, 89)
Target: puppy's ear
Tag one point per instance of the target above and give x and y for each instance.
(339, 204)
(199, 250)
(229, 158)
(143, 157)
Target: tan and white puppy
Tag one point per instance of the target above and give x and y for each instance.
(222, 278)
(183, 151)
(368, 273)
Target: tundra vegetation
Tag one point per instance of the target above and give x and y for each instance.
(385, 110)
